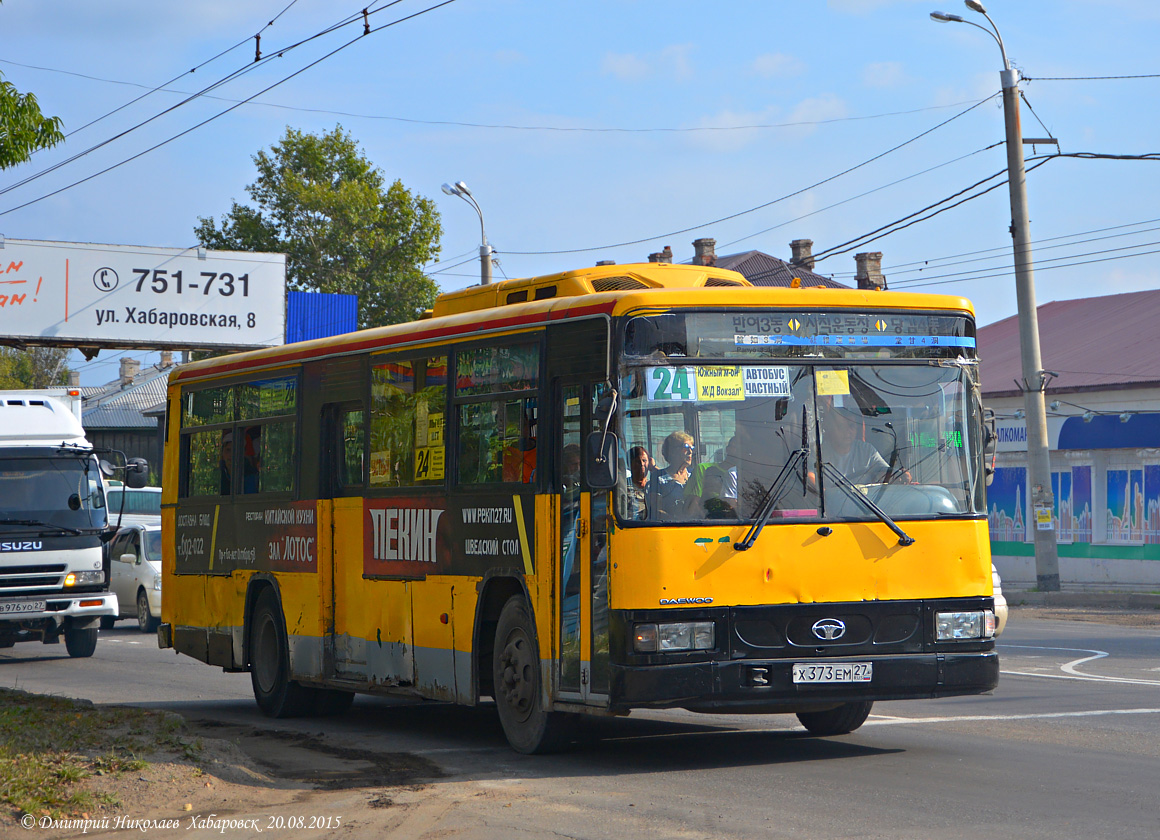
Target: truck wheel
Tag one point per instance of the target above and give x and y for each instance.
(147, 622)
(278, 696)
(107, 622)
(518, 692)
(80, 643)
(840, 721)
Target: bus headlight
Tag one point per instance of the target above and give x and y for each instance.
(975, 624)
(677, 636)
(83, 578)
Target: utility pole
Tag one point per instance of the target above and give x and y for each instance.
(1035, 379)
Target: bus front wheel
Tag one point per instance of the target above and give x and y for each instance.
(529, 727)
(278, 696)
(838, 721)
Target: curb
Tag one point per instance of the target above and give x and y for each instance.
(1091, 600)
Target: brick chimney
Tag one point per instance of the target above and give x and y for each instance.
(166, 359)
(129, 370)
(665, 256)
(74, 379)
(802, 251)
(869, 275)
(704, 251)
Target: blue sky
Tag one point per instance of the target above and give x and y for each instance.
(580, 126)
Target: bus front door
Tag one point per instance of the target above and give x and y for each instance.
(582, 672)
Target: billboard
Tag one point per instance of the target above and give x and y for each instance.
(79, 294)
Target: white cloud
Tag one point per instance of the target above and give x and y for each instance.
(884, 74)
(816, 109)
(777, 65)
(672, 62)
(627, 68)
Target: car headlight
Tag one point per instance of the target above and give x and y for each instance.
(82, 578)
(677, 636)
(974, 624)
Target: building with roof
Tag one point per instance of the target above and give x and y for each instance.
(1103, 425)
(128, 413)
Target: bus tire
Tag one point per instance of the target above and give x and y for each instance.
(145, 620)
(80, 643)
(838, 721)
(278, 696)
(529, 728)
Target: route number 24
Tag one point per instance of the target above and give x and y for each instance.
(676, 384)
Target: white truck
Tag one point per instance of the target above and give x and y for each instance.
(54, 525)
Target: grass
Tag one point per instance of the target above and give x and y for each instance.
(50, 746)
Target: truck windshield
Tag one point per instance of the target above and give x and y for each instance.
(38, 493)
(709, 441)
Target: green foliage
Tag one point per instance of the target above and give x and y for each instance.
(320, 201)
(23, 129)
(37, 367)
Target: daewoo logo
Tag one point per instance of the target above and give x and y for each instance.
(829, 629)
(667, 602)
(27, 545)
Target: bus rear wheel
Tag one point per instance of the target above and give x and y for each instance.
(80, 643)
(278, 696)
(529, 727)
(838, 721)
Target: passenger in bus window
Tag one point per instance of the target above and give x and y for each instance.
(717, 497)
(857, 460)
(571, 467)
(638, 485)
(677, 450)
(252, 460)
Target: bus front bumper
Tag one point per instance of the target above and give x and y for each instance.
(754, 685)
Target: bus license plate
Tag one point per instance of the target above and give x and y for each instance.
(843, 672)
(11, 607)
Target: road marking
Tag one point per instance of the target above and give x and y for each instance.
(888, 721)
(1071, 669)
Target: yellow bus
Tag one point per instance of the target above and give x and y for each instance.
(634, 486)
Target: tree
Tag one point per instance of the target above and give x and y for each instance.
(318, 199)
(23, 129)
(36, 367)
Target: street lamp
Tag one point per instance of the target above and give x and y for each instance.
(460, 189)
(1034, 377)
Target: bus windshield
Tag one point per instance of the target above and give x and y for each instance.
(719, 441)
(51, 492)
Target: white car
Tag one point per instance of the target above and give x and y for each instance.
(1000, 602)
(142, 505)
(135, 575)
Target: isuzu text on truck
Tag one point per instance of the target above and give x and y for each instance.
(53, 523)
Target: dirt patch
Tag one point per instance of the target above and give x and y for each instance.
(225, 770)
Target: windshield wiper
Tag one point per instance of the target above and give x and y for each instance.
(41, 523)
(769, 501)
(853, 492)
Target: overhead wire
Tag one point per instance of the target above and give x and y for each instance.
(243, 70)
(227, 110)
(764, 205)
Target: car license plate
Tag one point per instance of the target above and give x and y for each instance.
(11, 607)
(837, 672)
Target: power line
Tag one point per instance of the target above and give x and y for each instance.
(498, 126)
(227, 110)
(760, 206)
(247, 68)
(1086, 78)
(862, 195)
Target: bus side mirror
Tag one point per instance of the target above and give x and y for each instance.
(107, 469)
(136, 473)
(603, 460)
(990, 445)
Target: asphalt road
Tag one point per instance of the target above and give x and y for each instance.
(1068, 746)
